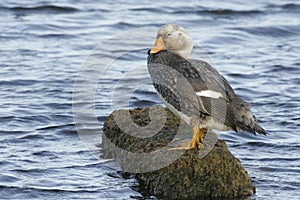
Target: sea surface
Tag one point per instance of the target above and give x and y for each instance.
(47, 46)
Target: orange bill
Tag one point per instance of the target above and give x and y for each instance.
(158, 46)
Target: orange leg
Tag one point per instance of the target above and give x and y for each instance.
(197, 141)
(198, 138)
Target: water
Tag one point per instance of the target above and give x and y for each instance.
(254, 45)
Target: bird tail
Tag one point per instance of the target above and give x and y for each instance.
(253, 127)
(246, 121)
(258, 128)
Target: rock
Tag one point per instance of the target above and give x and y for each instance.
(218, 174)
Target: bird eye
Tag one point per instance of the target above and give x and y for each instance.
(169, 34)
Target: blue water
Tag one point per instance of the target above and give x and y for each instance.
(255, 45)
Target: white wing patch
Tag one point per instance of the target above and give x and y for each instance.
(210, 94)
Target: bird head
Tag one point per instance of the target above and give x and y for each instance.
(173, 38)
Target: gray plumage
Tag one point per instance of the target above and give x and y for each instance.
(183, 84)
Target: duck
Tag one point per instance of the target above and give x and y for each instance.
(194, 90)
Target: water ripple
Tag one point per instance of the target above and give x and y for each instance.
(272, 31)
(44, 9)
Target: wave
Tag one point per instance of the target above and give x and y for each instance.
(19, 82)
(230, 12)
(291, 7)
(48, 9)
(57, 127)
(271, 31)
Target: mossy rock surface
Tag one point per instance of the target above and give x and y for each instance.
(218, 175)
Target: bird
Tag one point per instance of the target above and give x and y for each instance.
(194, 90)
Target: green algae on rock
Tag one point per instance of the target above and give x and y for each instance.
(218, 175)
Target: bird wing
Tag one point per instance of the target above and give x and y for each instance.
(193, 87)
(206, 92)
